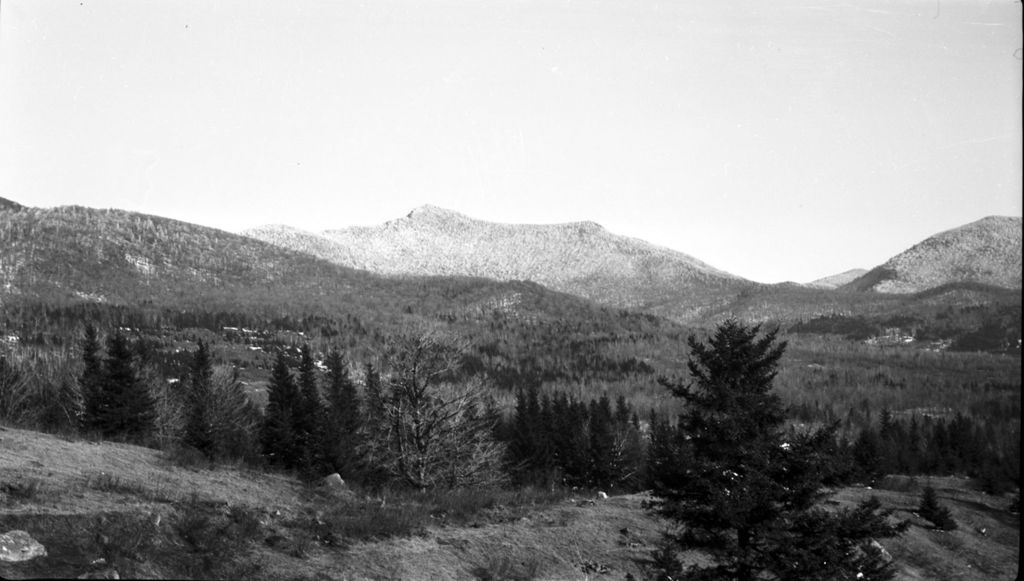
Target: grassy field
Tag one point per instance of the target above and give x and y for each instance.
(150, 517)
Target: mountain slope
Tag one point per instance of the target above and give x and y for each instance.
(580, 258)
(987, 251)
(837, 280)
(74, 254)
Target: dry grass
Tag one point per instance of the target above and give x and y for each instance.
(967, 553)
(79, 477)
(157, 520)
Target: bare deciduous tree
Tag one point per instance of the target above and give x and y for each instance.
(431, 429)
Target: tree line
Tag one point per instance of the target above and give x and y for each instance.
(744, 483)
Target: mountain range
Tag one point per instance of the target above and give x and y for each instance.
(584, 259)
(451, 262)
(74, 254)
(579, 258)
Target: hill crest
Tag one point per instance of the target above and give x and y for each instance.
(986, 251)
(581, 258)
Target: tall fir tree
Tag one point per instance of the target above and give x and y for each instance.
(939, 515)
(342, 427)
(278, 438)
(199, 426)
(132, 409)
(309, 420)
(95, 400)
(748, 497)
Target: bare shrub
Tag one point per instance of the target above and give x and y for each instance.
(427, 428)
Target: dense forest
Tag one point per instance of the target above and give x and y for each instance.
(571, 401)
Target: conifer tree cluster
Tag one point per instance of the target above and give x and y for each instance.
(958, 445)
(419, 424)
(558, 440)
(116, 403)
(219, 417)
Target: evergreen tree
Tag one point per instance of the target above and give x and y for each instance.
(605, 456)
(95, 401)
(341, 439)
(748, 498)
(309, 420)
(131, 408)
(62, 408)
(279, 439)
(199, 426)
(931, 510)
(234, 417)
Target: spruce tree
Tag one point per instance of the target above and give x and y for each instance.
(309, 420)
(750, 488)
(341, 440)
(131, 408)
(605, 462)
(95, 401)
(931, 510)
(279, 439)
(199, 428)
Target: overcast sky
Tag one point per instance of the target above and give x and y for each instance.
(784, 140)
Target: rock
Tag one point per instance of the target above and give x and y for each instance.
(108, 573)
(16, 546)
(333, 481)
(602, 495)
(881, 551)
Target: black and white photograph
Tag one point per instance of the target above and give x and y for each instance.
(524, 290)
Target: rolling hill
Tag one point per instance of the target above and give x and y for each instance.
(987, 251)
(76, 254)
(579, 258)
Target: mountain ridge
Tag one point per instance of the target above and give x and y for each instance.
(986, 251)
(580, 258)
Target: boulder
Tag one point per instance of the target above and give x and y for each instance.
(18, 546)
(333, 481)
(881, 551)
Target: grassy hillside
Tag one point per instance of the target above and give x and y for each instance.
(151, 516)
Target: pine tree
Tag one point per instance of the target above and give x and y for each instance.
(95, 401)
(605, 461)
(931, 510)
(279, 439)
(131, 408)
(309, 420)
(748, 498)
(199, 426)
(235, 419)
(341, 440)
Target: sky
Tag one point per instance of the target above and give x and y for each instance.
(781, 140)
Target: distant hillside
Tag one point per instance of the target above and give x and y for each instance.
(987, 251)
(10, 205)
(837, 280)
(580, 258)
(74, 254)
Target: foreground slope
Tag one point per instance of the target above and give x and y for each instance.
(86, 496)
(987, 252)
(580, 258)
